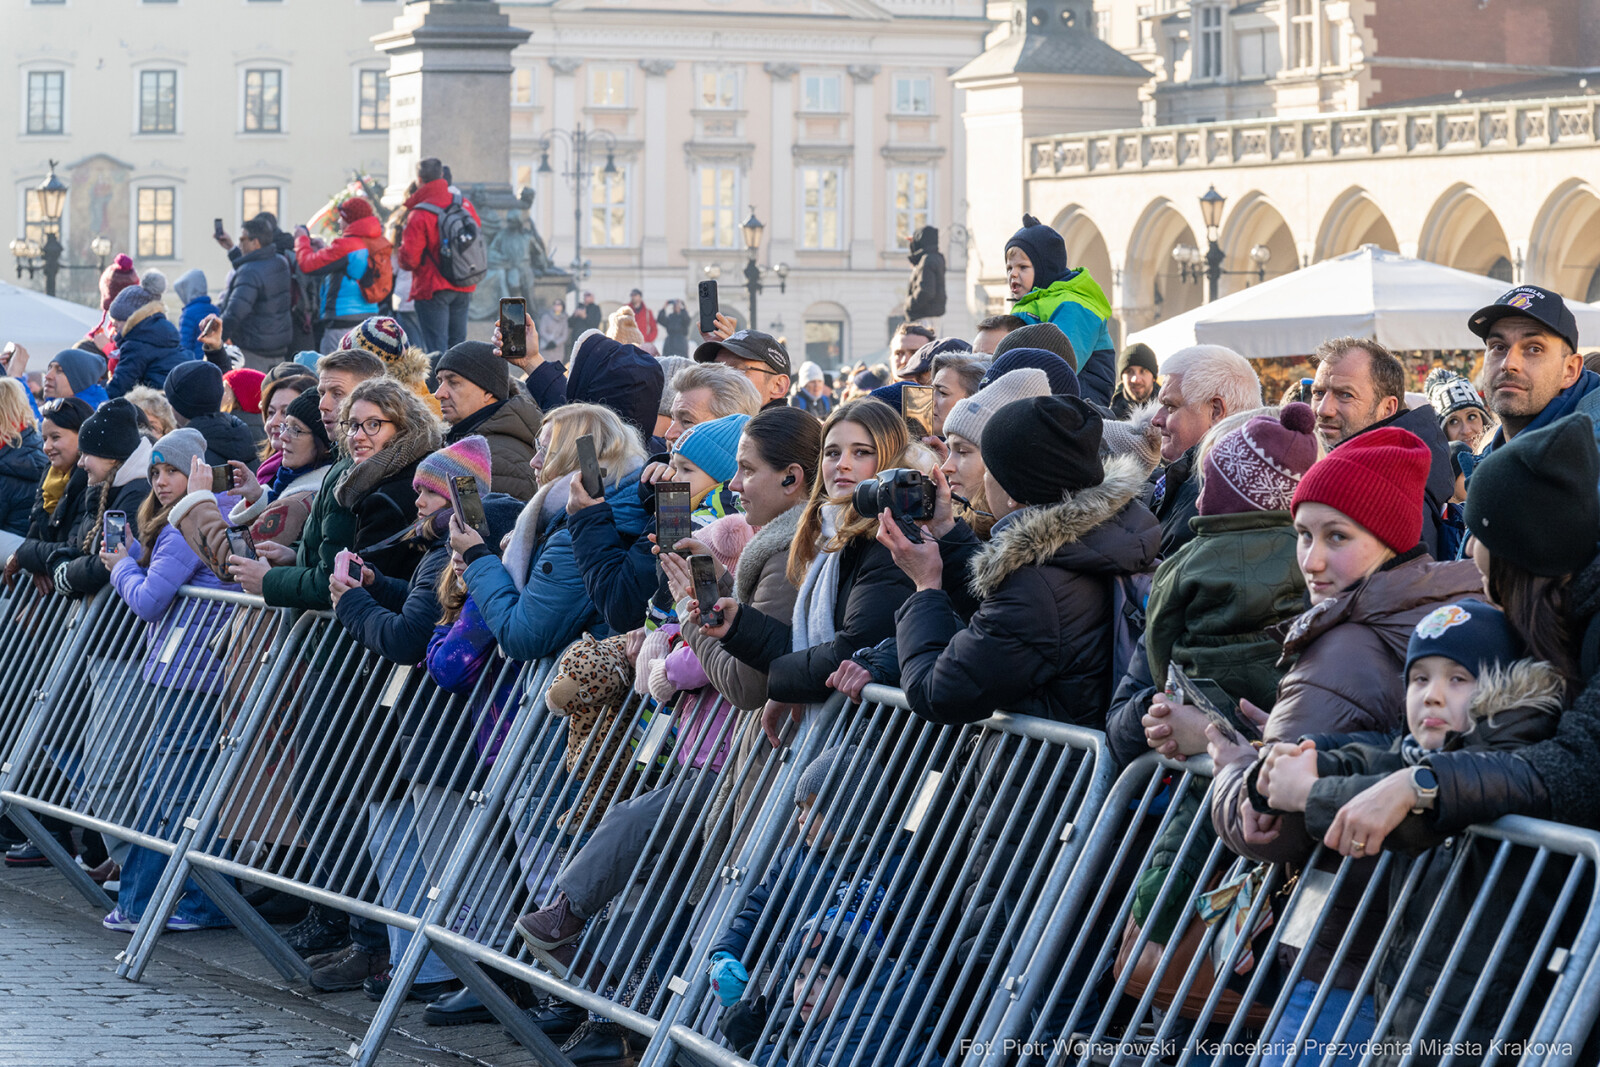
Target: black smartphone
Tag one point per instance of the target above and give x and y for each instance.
(589, 464)
(352, 567)
(216, 228)
(1220, 708)
(916, 404)
(116, 530)
(239, 543)
(513, 328)
(469, 505)
(672, 514)
(708, 306)
(704, 573)
(221, 478)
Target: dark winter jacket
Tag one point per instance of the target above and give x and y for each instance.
(511, 427)
(1040, 642)
(255, 308)
(327, 529)
(614, 554)
(149, 350)
(47, 530)
(227, 438)
(547, 385)
(1441, 485)
(925, 298)
(340, 267)
(1179, 502)
(871, 588)
(75, 562)
(22, 468)
(820, 406)
(1216, 605)
(197, 306)
(675, 324)
(624, 378)
(419, 244)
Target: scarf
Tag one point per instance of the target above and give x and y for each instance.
(547, 506)
(812, 623)
(285, 476)
(53, 488)
(393, 459)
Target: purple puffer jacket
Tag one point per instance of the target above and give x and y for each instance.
(457, 657)
(152, 594)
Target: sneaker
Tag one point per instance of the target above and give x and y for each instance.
(322, 930)
(551, 927)
(349, 970)
(119, 922)
(26, 854)
(177, 924)
(376, 986)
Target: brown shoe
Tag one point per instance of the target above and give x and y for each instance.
(106, 872)
(349, 970)
(550, 928)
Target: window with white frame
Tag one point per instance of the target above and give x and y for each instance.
(913, 94)
(47, 90)
(608, 87)
(1333, 42)
(1302, 34)
(158, 101)
(254, 199)
(372, 114)
(608, 207)
(155, 215)
(522, 87)
(819, 207)
(717, 191)
(1210, 43)
(1102, 24)
(913, 202)
(719, 90)
(263, 101)
(819, 92)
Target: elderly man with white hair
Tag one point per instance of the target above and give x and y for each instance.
(1200, 386)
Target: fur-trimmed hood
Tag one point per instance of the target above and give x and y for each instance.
(1079, 533)
(772, 539)
(1514, 706)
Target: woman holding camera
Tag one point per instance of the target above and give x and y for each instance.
(849, 585)
(1068, 526)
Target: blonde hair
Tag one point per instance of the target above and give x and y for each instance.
(398, 404)
(615, 442)
(157, 411)
(452, 594)
(890, 439)
(16, 417)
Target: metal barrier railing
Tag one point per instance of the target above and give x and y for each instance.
(38, 629)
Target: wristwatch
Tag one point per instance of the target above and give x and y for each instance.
(1425, 784)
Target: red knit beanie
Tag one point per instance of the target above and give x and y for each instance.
(354, 208)
(1377, 479)
(246, 386)
(115, 278)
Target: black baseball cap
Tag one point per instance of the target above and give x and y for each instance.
(1530, 302)
(748, 344)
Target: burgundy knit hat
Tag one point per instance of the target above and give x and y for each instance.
(356, 207)
(116, 278)
(1257, 466)
(1377, 479)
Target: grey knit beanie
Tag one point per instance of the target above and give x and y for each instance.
(970, 414)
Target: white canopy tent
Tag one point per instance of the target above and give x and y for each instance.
(44, 325)
(1404, 303)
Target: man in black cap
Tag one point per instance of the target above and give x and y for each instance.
(759, 356)
(1137, 368)
(1532, 372)
(477, 396)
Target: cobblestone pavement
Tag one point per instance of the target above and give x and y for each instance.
(207, 1000)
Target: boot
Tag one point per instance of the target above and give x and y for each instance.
(322, 930)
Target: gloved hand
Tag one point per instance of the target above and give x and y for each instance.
(63, 586)
(728, 978)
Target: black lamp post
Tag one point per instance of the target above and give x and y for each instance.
(577, 174)
(752, 230)
(1189, 258)
(32, 258)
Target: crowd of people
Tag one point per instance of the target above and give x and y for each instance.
(1398, 590)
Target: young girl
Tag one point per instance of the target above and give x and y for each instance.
(704, 457)
(117, 460)
(182, 673)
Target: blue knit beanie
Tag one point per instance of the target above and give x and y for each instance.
(1045, 250)
(1470, 632)
(711, 446)
(889, 394)
(82, 369)
(1063, 382)
(194, 388)
(308, 359)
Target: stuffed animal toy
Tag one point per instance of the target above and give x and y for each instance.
(590, 688)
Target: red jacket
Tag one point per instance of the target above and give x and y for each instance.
(419, 245)
(645, 319)
(364, 234)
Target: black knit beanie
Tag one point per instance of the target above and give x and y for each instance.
(194, 388)
(1533, 501)
(1138, 355)
(1045, 250)
(1043, 335)
(476, 362)
(1043, 447)
(112, 432)
(68, 413)
(304, 407)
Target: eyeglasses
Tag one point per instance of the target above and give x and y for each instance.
(293, 432)
(366, 427)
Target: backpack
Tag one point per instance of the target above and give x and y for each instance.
(463, 259)
(377, 281)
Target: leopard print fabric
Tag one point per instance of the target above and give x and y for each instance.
(590, 688)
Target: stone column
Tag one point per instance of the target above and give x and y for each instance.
(781, 134)
(864, 199)
(651, 172)
(566, 112)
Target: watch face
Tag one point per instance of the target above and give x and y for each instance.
(1425, 778)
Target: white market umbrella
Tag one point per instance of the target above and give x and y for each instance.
(1404, 303)
(44, 325)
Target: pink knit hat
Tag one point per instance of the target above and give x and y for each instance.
(1258, 466)
(470, 455)
(726, 538)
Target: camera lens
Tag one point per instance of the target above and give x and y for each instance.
(868, 498)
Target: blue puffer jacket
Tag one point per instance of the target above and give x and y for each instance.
(191, 289)
(550, 607)
(340, 267)
(22, 466)
(150, 348)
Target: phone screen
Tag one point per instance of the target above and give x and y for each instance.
(708, 306)
(589, 464)
(514, 328)
(239, 543)
(216, 227)
(672, 514)
(352, 567)
(705, 588)
(116, 530)
(916, 404)
(468, 504)
(221, 478)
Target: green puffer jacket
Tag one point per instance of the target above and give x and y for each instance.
(329, 528)
(1215, 604)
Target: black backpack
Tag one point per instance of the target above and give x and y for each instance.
(463, 259)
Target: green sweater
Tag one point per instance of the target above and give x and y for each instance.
(329, 528)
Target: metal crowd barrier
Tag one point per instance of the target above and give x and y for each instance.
(1482, 951)
(38, 631)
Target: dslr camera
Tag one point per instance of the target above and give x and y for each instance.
(909, 496)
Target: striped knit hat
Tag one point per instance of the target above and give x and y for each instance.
(470, 455)
(379, 335)
(1258, 466)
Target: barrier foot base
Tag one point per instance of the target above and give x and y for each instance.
(76, 876)
(285, 960)
(545, 1052)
